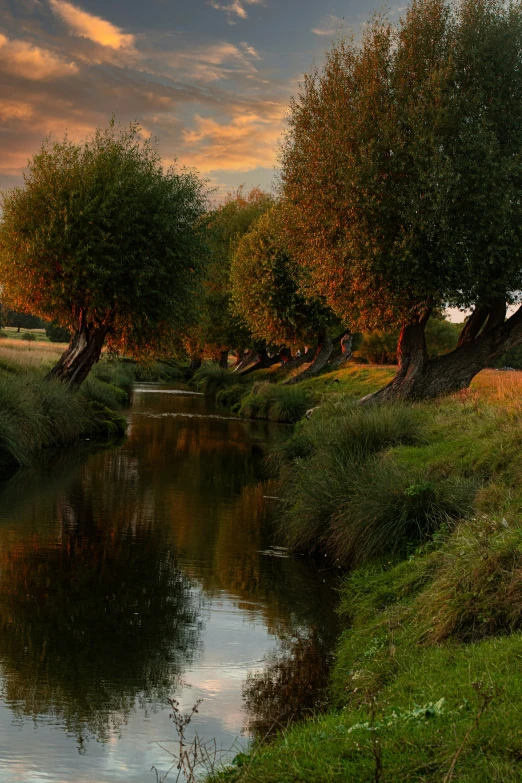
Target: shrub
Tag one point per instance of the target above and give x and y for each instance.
(57, 333)
(477, 591)
(341, 499)
(3, 334)
(29, 336)
(115, 373)
(286, 404)
(321, 464)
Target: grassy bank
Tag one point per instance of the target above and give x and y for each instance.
(36, 414)
(424, 504)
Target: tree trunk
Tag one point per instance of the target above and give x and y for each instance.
(195, 364)
(346, 341)
(421, 378)
(322, 353)
(83, 351)
(263, 361)
(223, 359)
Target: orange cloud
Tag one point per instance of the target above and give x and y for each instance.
(249, 141)
(94, 28)
(33, 62)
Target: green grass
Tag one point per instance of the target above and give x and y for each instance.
(36, 413)
(211, 379)
(426, 686)
(285, 404)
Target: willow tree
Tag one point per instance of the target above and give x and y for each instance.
(403, 169)
(106, 243)
(267, 295)
(221, 329)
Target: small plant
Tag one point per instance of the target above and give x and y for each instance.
(191, 757)
(29, 337)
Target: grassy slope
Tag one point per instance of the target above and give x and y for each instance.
(428, 680)
(37, 414)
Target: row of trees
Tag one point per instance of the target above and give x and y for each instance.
(401, 178)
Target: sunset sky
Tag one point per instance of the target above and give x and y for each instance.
(210, 78)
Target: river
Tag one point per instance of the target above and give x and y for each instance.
(136, 573)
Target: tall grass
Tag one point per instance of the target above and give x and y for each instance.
(211, 378)
(477, 589)
(286, 404)
(328, 463)
(36, 413)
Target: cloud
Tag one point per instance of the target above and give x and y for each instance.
(329, 25)
(235, 8)
(211, 62)
(33, 62)
(248, 141)
(94, 28)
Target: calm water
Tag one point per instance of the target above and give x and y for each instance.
(137, 573)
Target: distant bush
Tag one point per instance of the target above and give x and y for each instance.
(57, 333)
(286, 404)
(29, 337)
(3, 334)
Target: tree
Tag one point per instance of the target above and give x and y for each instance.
(266, 291)
(220, 328)
(104, 241)
(402, 169)
(57, 333)
(22, 320)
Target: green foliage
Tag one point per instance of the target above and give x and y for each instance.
(29, 337)
(21, 320)
(265, 286)
(219, 327)
(36, 413)
(57, 333)
(386, 140)
(99, 232)
(286, 404)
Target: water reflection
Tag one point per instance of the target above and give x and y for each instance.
(126, 572)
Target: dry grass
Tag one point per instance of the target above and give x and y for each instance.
(25, 354)
(503, 386)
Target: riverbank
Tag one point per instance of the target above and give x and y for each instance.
(423, 504)
(36, 414)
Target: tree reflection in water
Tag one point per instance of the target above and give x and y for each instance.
(93, 615)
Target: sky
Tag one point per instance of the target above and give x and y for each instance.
(211, 79)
